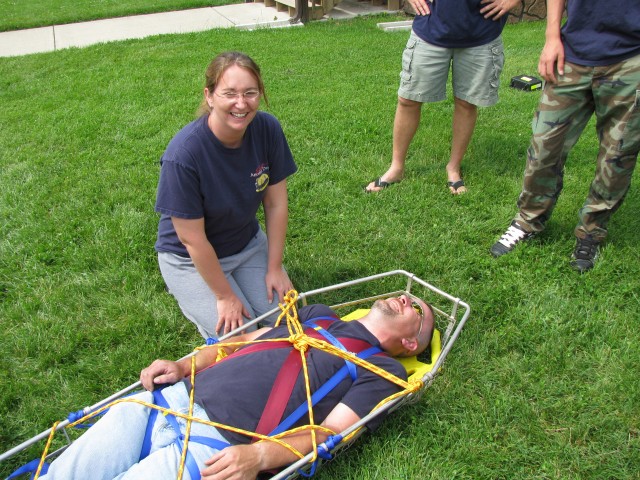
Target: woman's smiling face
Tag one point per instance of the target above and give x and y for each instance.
(234, 103)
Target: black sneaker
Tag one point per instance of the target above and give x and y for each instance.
(509, 239)
(585, 254)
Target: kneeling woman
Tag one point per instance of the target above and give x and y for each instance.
(215, 173)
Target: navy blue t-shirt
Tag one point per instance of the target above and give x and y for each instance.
(457, 24)
(601, 33)
(201, 178)
(235, 391)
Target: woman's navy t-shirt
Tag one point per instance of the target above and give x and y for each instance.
(201, 178)
(457, 24)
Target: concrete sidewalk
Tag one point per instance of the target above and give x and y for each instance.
(242, 15)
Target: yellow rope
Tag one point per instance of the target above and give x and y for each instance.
(46, 449)
(301, 342)
(183, 457)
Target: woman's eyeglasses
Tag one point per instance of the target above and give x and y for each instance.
(232, 96)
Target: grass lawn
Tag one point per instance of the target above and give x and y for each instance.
(541, 385)
(19, 14)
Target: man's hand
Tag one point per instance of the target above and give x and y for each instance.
(552, 57)
(230, 314)
(239, 462)
(495, 9)
(421, 7)
(161, 372)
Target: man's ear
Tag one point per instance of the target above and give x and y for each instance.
(410, 345)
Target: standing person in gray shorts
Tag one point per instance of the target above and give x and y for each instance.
(463, 36)
(591, 66)
(215, 174)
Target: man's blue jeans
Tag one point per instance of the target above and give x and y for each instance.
(110, 449)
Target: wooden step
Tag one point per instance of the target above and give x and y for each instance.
(315, 12)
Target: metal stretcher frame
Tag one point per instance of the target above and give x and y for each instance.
(450, 318)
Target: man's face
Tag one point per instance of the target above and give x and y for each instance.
(409, 309)
(412, 318)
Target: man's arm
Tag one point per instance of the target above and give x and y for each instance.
(244, 462)
(167, 371)
(552, 55)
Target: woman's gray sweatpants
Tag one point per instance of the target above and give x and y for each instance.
(245, 271)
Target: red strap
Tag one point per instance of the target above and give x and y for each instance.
(280, 393)
(286, 380)
(288, 374)
(256, 347)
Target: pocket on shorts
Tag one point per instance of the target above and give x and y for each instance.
(497, 60)
(407, 60)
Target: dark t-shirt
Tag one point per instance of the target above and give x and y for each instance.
(235, 391)
(601, 33)
(457, 24)
(201, 178)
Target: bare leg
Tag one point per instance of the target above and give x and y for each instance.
(464, 121)
(405, 126)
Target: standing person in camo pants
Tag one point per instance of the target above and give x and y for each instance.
(591, 65)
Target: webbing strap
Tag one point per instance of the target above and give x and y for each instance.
(253, 348)
(336, 343)
(280, 393)
(319, 394)
(290, 370)
(31, 468)
(190, 462)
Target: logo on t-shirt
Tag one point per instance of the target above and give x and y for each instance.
(262, 177)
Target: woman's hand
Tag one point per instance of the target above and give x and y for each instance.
(278, 281)
(421, 7)
(230, 314)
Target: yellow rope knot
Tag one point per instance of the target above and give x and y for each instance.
(288, 308)
(415, 385)
(300, 342)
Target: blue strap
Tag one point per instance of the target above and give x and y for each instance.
(31, 468)
(146, 443)
(324, 452)
(190, 462)
(334, 341)
(319, 394)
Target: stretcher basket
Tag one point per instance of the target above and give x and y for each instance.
(349, 299)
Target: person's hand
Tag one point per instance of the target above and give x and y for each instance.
(239, 462)
(230, 314)
(495, 9)
(421, 7)
(277, 280)
(160, 372)
(552, 57)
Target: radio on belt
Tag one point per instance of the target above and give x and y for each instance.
(526, 83)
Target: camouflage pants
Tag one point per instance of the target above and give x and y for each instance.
(612, 92)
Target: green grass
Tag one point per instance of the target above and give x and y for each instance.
(19, 14)
(541, 385)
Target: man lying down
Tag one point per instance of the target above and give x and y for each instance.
(133, 441)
